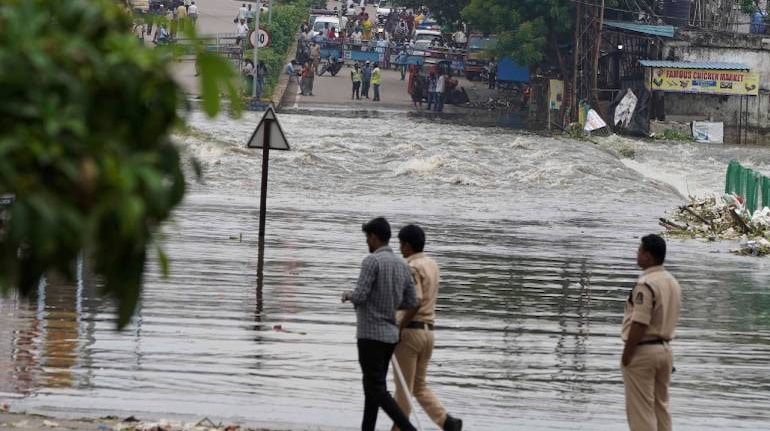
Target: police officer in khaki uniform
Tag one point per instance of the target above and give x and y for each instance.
(415, 347)
(649, 323)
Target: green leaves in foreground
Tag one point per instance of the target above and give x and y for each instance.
(86, 112)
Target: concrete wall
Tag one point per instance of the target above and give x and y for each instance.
(688, 107)
(752, 50)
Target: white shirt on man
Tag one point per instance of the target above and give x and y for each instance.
(193, 10)
(243, 12)
(440, 84)
(242, 30)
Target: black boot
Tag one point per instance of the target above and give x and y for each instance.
(453, 424)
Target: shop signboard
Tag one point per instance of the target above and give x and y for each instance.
(703, 81)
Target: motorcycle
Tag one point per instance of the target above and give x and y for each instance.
(332, 65)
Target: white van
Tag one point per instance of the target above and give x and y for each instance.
(428, 35)
(333, 21)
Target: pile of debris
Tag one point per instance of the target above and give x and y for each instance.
(493, 103)
(723, 218)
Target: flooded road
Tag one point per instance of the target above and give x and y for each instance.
(536, 239)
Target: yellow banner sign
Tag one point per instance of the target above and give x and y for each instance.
(703, 81)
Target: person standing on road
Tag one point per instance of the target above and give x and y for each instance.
(250, 15)
(418, 90)
(432, 90)
(247, 73)
(383, 287)
(366, 79)
(242, 31)
(415, 348)
(308, 76)
(401, 61)
(440, 87)
(649, 323)
(243, 12)
(355, 76)
(492, 70)
(261, 74)
(315, 54)
(376, 81)
(291, 70)
(192, 12)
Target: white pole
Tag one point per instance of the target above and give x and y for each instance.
(256, 44)
(407, 389)
(270, 12)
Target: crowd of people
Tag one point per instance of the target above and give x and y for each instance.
(395, 304)
(431, 87)
(166, 18)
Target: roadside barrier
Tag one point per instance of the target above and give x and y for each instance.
(753, 186)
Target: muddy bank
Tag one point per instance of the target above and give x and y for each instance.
(29, 422)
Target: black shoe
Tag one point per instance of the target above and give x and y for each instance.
(453, 424)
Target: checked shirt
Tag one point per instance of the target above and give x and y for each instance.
(384, 286)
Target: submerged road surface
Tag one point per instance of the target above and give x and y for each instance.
(536, 240)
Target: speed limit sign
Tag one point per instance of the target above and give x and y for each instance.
(262, 36)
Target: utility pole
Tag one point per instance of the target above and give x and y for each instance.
(576, 62)
(256, 48)
(597, 49)
(270, 12)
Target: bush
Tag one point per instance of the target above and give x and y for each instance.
(86, 112)
(283, 31)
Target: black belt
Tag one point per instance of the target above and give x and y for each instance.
(420, 325)
(653, 341)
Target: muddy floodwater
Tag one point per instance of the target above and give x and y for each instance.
(536, 240)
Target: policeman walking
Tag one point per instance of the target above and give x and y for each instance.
(649, 323)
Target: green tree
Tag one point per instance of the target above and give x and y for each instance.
(86, 114)
(528, 31)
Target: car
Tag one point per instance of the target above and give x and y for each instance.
(321, 21)
(420, 47)
(384, 8)
(429, 35)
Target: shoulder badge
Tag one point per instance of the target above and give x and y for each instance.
(639, 298)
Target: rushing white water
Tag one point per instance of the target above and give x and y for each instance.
(536, 239)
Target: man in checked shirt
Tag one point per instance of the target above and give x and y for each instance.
(384, 286)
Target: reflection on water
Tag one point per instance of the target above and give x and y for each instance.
(535, 238)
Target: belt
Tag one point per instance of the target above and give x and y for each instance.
(653, 341)
(420, 325)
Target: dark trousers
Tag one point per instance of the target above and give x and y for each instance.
(440, 101)
(376, 92)
(431, 99)
(365, 88)
(356, 90)
(492, 80)
(374, 358)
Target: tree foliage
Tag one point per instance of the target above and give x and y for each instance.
(524, 28)
(283, 31)
(86, 113)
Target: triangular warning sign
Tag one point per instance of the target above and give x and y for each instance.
(277, 138)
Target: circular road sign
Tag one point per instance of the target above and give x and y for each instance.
(262, 35)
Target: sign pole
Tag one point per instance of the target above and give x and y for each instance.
(263, 192)
(256, 48)
(263, 215)
(270, 12)
(264, 137)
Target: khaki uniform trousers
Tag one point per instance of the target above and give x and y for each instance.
(646, 380)
(413, 353)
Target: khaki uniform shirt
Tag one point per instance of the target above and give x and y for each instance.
(426, 278)
(655, 301)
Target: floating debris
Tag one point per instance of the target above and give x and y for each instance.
(719, 219)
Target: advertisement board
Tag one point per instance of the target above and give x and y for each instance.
(702, 81)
